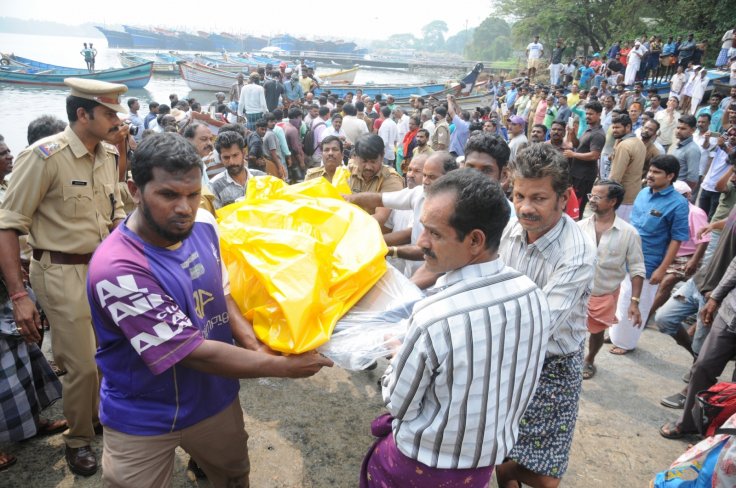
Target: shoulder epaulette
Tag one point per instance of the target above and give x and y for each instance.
(48, 149)
(111, 148)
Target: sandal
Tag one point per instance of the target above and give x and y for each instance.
(48, 427)
(619, 351)
(589, 371)
(670, 430)
(7, 460)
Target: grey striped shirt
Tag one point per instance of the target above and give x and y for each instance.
(468, 367)
(561, 263)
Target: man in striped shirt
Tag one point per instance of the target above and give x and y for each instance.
(548, 247)
(473, 351)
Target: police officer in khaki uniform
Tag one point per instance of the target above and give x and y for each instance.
(331, 159)
(64, 195)
(367, 171)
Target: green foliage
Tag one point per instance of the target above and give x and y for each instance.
(595, 24)
(491, 40)
(457, 43)
(397, 41)
(434, 35)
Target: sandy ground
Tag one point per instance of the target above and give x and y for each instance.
(313, 433)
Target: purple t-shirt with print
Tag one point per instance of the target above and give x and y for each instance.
(151, 307)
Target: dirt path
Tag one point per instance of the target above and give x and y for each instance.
(313, 433)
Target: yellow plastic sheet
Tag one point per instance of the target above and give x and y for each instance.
(298, 257)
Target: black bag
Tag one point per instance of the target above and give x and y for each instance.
(309, 143)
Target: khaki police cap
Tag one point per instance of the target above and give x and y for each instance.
(102, 92)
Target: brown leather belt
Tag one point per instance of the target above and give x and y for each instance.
(62, 257)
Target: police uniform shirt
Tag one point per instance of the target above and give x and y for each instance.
(63, 196)
(385, 180)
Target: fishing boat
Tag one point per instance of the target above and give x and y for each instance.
(160, 66)
(403, 93)
(116, 38)
(201, 77)
(42, 74)
(345, 76)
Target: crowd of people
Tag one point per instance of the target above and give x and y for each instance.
(537, 224)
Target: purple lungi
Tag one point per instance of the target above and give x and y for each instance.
(386, 467)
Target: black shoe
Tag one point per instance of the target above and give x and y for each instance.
(98, 429)
(81, 460)
(674, 401)
(194, 468)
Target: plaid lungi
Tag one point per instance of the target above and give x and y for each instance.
(27, 382)
(250, 119)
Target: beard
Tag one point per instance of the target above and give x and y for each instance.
(170, 236)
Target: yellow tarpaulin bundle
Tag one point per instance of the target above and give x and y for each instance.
(298, 257)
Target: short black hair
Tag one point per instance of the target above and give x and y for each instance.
(479, 204)
(689, 120)
(615, 191)
(239, 128)
(329, 139)
(163, 109)
(359, 106)
(324, 111)
(153, 105)
(74, 103)
(44, 126)
(295, 113)
(192, 129)
(595, 106)
(349, 109)
(667, 163)
(131, 101)
(441, 111)
(704, 114)
(538, 161)
(227, 138)
(386, 112)
(168, 151)
(261, 123)
(369, 146)
(491, 144)
(622, 119)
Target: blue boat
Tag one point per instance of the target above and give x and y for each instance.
(29, 72)
(148, 39)
(116, 38)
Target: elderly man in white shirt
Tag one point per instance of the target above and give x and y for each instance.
(619, 250)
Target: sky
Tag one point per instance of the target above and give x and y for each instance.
(349, 19)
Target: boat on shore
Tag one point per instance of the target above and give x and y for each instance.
(24, 71)
(161, 66)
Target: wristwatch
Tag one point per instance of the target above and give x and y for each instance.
(636, 299)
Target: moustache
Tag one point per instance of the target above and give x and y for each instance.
(428, 253)
(531, 217)
(114, 129)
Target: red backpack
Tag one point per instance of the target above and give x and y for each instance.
(713, 407)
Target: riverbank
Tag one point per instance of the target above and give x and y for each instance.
(313, 433)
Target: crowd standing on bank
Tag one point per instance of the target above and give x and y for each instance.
(561, 214)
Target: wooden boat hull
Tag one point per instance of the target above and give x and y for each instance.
(133, 77)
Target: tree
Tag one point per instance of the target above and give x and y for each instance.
(490, 40)
(458, 42)
(583, 23)
(397, 41)
(434, 35)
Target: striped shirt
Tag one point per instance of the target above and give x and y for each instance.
(468, 367)
(560, 263)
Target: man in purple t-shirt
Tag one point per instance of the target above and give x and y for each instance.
(166, 326)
